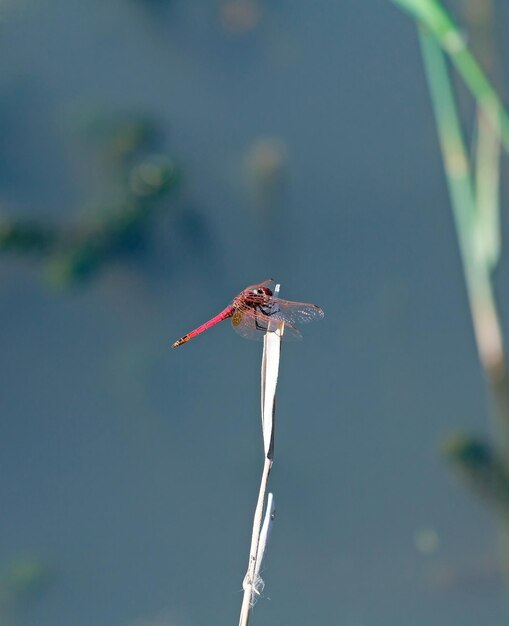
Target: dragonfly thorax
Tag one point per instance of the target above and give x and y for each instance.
(255, 297)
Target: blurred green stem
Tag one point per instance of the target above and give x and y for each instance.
(463, 197)
(476, 209)
(432, 15)
(475, 203)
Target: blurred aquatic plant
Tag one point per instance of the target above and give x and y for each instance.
(439, 28)
(265, 168)
(22, 582)
(118, 136)
(240, 16)
(115, 226)
(473, 183)
(27, 236)
(481, 468)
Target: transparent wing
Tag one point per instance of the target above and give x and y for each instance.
(292, 312)
(252, 324)
(269, 283)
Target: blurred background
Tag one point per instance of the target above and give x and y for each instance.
(156, 157)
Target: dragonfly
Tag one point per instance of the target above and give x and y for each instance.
(256, 311)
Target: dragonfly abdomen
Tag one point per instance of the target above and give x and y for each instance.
(228, 312)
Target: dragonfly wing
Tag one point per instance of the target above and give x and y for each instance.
(269, 284)
(294, 312)
(251, 324)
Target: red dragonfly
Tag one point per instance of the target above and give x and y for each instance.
(256, 310)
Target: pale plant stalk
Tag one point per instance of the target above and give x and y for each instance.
(253, 584)
(487, 184)
(250, 583)
(270, 512)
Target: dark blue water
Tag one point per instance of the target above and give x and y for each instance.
(129, 470)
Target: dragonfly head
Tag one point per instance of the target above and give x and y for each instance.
(257, 295)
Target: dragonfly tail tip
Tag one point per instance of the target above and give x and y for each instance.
(179, 342)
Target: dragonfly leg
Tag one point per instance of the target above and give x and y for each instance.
(258, 325)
